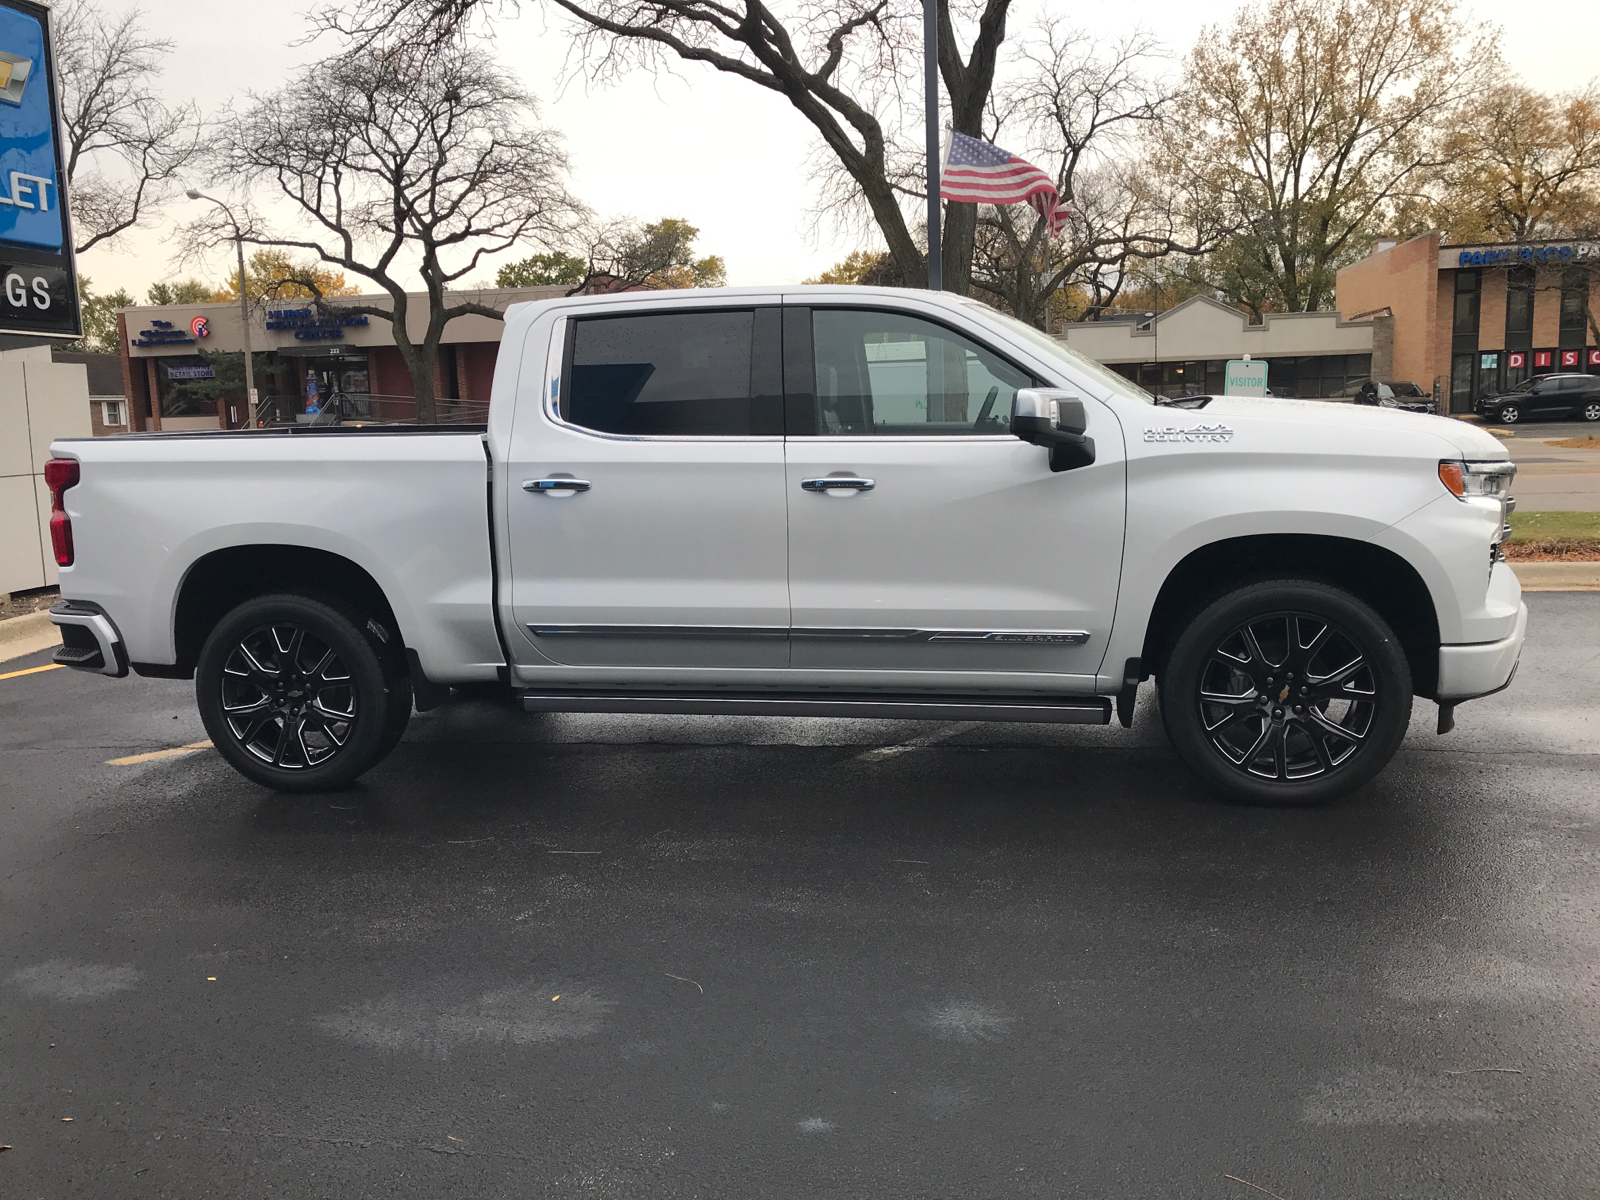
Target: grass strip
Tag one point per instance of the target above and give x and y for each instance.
(1555, 527)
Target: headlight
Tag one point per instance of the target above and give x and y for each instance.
(1465, 479)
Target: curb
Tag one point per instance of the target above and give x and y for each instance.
(1558, 576)
(21, 636)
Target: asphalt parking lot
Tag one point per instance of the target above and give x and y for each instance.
(652, 957)
(1555, 478)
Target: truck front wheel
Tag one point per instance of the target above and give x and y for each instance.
(1286, 692)
(294, 693)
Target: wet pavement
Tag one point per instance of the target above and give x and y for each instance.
(655, 957)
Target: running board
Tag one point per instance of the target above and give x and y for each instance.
(1058, 710)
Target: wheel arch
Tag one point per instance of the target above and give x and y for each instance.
(220, 581)
(1374, 575)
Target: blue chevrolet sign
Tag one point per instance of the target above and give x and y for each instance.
(38, 289)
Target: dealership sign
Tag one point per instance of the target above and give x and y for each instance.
(38, 287)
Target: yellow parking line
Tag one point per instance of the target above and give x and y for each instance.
(132, 759)
(32, 671)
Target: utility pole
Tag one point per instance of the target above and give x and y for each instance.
(244, 305)
(930, 87)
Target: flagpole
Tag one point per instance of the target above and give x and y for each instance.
(930, 87)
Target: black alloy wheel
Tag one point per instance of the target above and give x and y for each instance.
(1287, 692)
(297, 694)
(1509, 414)
(288, 697)
(1287, 695)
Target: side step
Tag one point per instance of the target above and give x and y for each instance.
(1059, 710)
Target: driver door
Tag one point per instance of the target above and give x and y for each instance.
(925, 541)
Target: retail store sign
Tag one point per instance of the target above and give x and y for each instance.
(162, 333)
(38, 283)
(1541, 358)
(1245, 377)
(1508, 256)
(309, 325)
(1594, 358)
(1516, 360)
(1571, 358)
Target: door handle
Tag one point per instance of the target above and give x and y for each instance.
(838, 483)
(538, 486)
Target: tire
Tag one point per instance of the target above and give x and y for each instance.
(1508, 415)
(1591, 411)
(295, 693)
(1228, 693)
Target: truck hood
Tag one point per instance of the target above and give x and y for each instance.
(1469, 440)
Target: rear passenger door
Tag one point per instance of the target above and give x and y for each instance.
(669, 547)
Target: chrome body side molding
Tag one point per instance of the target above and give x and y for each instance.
(659, 631)
(1060, 637)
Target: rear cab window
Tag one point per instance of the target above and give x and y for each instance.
(699, 373)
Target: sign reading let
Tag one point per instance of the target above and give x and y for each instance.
(38, 285)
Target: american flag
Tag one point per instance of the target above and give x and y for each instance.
(977, 173)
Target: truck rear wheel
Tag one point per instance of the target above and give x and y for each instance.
(295, 694)
(1286, 692)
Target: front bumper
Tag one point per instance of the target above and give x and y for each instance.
(89, 641)
(1466, 672)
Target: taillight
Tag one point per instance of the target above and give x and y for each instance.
(59, 475)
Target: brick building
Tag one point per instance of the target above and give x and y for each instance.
(1478, 319)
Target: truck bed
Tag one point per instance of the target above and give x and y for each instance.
(408, 505)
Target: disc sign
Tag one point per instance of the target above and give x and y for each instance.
(1245, 377)
(38, 287)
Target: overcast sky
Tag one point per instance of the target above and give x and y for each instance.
(720, 152)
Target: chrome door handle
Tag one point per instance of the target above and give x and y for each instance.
(555, 485)
(839, 483)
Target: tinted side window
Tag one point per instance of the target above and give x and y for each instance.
(887, 373)
(687, 374)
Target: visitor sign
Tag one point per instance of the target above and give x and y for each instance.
(1245, 377)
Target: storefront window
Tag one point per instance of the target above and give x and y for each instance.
(1574, 309)
(1488, 373)
(1519, 368)
(1461, 371)
(190, 385)
(1468, 294)
(1519, 308)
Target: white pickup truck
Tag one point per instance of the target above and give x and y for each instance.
(806, 501)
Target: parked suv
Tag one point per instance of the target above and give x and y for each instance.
(1390, 393)
(1552, 396)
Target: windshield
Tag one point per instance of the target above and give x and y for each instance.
(1048, 345)
(1525, 386)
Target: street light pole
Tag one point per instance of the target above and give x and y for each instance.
(930, 88)
(244, 304)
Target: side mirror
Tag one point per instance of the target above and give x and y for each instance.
(1055, 420)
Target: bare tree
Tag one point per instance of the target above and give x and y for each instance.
(405, 164)
(841, 64)
(124, 147)
(1082, 110)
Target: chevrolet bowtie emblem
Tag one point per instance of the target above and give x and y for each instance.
(14, 72)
